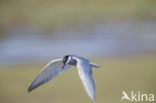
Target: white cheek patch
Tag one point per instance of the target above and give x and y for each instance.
(69, 59)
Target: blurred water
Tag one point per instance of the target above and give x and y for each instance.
(27, 44)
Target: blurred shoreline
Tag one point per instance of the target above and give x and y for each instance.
(27, 44)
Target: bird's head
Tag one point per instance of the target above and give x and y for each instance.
(66, 60)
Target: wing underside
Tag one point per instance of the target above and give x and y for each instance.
(49, 72)
(85, 73)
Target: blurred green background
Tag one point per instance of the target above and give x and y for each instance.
(119, 35)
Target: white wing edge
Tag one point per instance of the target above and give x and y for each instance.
(50, 71)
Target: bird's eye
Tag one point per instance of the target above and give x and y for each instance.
(65, 59)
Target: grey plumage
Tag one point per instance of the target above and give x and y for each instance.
(54, 68)
(50, 71)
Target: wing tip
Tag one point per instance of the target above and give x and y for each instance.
(93, 99)
(29, 89)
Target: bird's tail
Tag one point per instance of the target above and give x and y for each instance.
(95, 66)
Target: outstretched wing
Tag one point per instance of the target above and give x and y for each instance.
(85, 73)
(50, 71)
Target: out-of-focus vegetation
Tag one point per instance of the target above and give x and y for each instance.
(54, 14)
(128, 73)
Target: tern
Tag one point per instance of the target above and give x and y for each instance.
(58, 66)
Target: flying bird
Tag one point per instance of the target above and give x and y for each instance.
(58, 66)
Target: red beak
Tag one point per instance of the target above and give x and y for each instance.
(63, 66)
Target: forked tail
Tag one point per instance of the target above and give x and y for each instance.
(95, 66)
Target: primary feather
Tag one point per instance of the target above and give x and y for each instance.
(85, 73)
(50, 71)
